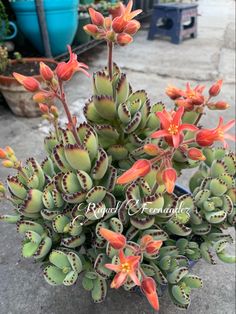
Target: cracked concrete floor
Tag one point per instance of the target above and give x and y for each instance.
(150, 65)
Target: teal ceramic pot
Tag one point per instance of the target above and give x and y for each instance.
(61, 20)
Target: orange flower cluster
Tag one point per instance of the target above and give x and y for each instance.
(9, 158)
(129, 266)
(172, 130)
(53, 80)
(117, 28)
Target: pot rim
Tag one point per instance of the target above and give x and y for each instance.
(10, 79)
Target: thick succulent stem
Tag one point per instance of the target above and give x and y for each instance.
(110, 63)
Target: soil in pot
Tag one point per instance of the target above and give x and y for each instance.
(25, 68)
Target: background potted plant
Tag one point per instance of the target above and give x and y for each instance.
(8, 30)
(18, 99)
(60, 34)
(127, 156)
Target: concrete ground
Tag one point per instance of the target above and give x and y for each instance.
(150, 65)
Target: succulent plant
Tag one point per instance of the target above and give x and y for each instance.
(104, 200)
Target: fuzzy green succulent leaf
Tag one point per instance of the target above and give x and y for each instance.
(206, 254)
(16, 187)
(103, 85)
(217, 187)
(180, 295)
(28, 249)
(193, 281)
(99, 290)
(73, 242)
(105, 106)
(96, 194)
(122, 89)
(78, 157)
(75, 262)
(99, 266)
(59, 223)
(226, 258)
(87, 283)
(101, 165)
(177, 275)
(53, 275)
(26, 225)
(11, 219)
(43, 249)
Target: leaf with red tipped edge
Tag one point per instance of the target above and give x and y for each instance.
(139, 169)
(116, 240)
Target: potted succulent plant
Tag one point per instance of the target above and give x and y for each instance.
(18, 99)
(103, 206)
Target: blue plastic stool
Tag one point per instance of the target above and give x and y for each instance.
(170, 20)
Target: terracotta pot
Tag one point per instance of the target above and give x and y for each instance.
(19, 100)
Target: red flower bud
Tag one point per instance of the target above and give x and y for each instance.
(205, 137)
(148, 287)
(107, 23)
(91, 29)
(186, 103)
(119, 24)
(124, 39)
(195, 154)
(151, 149)
(215, 88)
(173, 92)
(54, 111)
(219, 105)
(150, 245)
(2, 154)
(10, 151)
(43, 97)
(169, 177)
(43, 108)
(139, 169)
(116, 240)
(45, 71)
(8, 164)
(29, 83)
(96, 17)
(132, 27)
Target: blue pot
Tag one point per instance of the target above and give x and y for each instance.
(61, 20)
